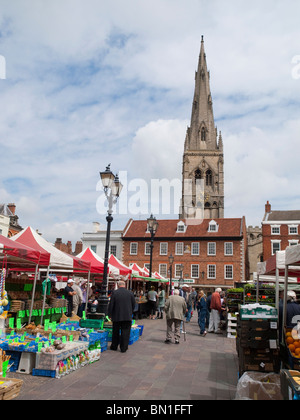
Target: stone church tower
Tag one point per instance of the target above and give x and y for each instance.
(203, 159)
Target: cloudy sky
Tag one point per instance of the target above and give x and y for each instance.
(84, 83)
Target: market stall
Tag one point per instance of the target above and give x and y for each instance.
(273, 270)
(265, 343)
(59, 261)
(20, 257)
(124, 271)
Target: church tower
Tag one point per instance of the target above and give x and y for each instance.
(203, 159)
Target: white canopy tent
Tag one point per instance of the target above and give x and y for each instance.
(273, 270)
(292, 262)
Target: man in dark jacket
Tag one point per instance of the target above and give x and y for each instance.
(120, 310)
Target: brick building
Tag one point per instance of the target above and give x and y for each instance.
(67, 248)
(9, 211)
(214, 252)
(280, 229)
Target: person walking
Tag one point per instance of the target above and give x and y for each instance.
(202, 312)
(69, 294)
(175, 309)
(190, 300)
(208, 301)
(77, 298)
(152, 299)
(161, 303)
(120, 310)
(83, 288)
(216, 309)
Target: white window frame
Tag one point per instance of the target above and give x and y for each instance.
(293, 242)
(193, 276)
(147, 244)
(293, 227)
(208, 271)
(273, 242)
(225, 272)
(213, 226)
(209, 250)
(181, 227)
(273, 227)
(225, 248)
(161, 248)
(178, 250)
(177, 270)
(198, 246)
(163, 272)
(115, 253)
(131, 248)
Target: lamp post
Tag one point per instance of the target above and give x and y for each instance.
(171, 260)
(152, 225)
(181, 267)
(112, 189)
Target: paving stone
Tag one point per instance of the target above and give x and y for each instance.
(196, 369)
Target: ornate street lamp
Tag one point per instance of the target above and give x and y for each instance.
(112, 189)
(152, 225)
(171, 260)
(181, 267)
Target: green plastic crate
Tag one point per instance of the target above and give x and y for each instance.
(92, 323)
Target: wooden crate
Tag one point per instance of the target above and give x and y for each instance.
(10, 388)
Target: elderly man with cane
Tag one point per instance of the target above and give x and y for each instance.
(175, 309)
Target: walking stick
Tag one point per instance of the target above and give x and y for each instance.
(183, 329)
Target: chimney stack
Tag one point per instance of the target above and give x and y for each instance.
(268, 207)
(78, 247)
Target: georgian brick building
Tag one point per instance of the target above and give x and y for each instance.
(213, 253)
(280, 229)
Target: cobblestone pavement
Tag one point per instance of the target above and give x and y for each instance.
(200, 368)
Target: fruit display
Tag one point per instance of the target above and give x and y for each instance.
(293, 343)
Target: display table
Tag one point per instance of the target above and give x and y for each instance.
(49, 361)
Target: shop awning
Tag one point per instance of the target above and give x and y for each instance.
(97, 263)
(278, 262)
(293, 256)
(123, 269)
(17, 253)
(152, 279)
(136, 269)
(58, 259)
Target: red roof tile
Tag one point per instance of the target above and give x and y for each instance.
(168, 229)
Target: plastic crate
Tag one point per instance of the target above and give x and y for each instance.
(14, 360)
(92, 323)
(103, 348)
(42, 372)
(141, 328)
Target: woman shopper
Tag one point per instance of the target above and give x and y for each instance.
(202, 312)
(152, 298)
(161, 303)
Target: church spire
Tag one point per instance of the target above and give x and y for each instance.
(201, 134)
(203, 157)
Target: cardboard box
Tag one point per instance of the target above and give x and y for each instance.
(259, 387)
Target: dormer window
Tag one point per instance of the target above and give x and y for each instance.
(181, 228)
(212, 226)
